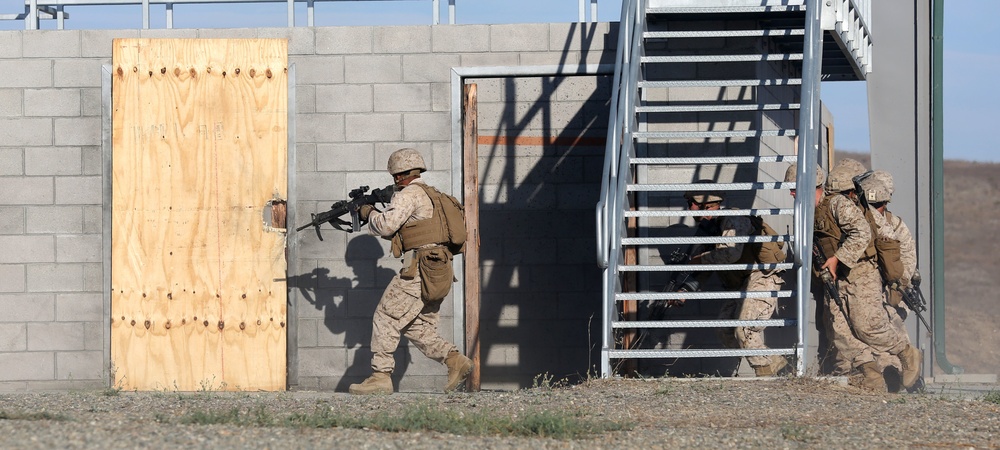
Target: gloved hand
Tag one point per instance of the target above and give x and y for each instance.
(365, 211)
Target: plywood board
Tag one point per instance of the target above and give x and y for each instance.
(199, 150)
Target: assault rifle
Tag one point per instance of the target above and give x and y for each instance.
(915, 300)
(680, 282)
(829, 284)
(359, 198)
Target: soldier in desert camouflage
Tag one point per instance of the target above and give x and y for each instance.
(877, 189)
(402, 311)
(845, 237)
(757, 308)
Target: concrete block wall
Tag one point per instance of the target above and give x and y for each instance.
(360, 93)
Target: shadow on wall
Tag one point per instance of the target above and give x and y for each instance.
(540, 313)
(349, 304)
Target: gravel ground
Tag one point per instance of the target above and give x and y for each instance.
(659, 413)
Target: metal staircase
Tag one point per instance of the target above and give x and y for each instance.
(711, 91)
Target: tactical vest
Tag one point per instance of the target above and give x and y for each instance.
(445, 227)
(753, 253)
(827, 233)
(890, 261)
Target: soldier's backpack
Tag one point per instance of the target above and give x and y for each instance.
(452, 215)
(766, 252)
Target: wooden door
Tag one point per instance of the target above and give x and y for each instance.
(199, 156)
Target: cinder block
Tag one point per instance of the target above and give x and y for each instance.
(31, 307)
(91, 100)
(12, 278)
(10, 102)
(93, 160)
(374, 127)
(10, 44)
(300, 39)
(26, 73)
(78, 131)
(402, 97)
(52, 161)
(55, 278)
(490, 59)
(305, 157)
(52, 44)
(427, 127)
(402, 39)
(343, 40)
(318, 186)
(93, 277)
(54, 219)
(322, 361)
(169, 33)
(27, 132)
(521, 37)
(13, 337)
(11, 220)
(227, 33)
(461, 39)
(424, 68)
(307, 332)
(79, 306)
(319, 128)
(27, 249)
(61, 336)
(51, 102)
(79, 248)
(79, 190)
(27, 366)
(98, 43)
(345, 157)
(592, 37)
(373, 69)
(440, 97)
(93, 217)
(79, 365)
(93, 335)
(318, 69)
(77, 73)
(305, 100)
(11, 161)
(343, 98)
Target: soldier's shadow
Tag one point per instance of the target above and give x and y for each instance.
(348, 305)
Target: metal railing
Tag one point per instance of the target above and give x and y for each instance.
(37, 10)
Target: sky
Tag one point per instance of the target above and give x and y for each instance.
(971, 56)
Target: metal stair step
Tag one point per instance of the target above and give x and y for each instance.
(717, 108)
(700, 267)
(717, 160)
(703, 323)
(711, 134)
(684, 187)
(720, 83)
(705, 240)
(696, 353)
(724, 33)
(722, 58)
(725, 9)
(717, 213)
(723, 295)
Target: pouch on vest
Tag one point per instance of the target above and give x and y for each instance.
(436, 273)
(770, 252)
(889, 259)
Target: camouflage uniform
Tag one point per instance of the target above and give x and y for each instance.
(401, 311)
(860, 286)
(755, 280)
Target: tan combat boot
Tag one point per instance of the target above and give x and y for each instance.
(458, 368)
(873, 379)
(778, 363)
(910, 359)
(378, 383)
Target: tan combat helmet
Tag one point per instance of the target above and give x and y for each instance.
(877, 185)
(841, 179)
(792, 173)
(405, 160)
(703, 197)
(853, 166)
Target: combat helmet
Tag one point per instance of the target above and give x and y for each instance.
(405, 160)
(877, 186)
(703, 197)
(841, 179)
(792, 173)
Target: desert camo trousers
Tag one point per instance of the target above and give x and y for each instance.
(401, 312)
(751, 309)
(869, 330)
(897, 316)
